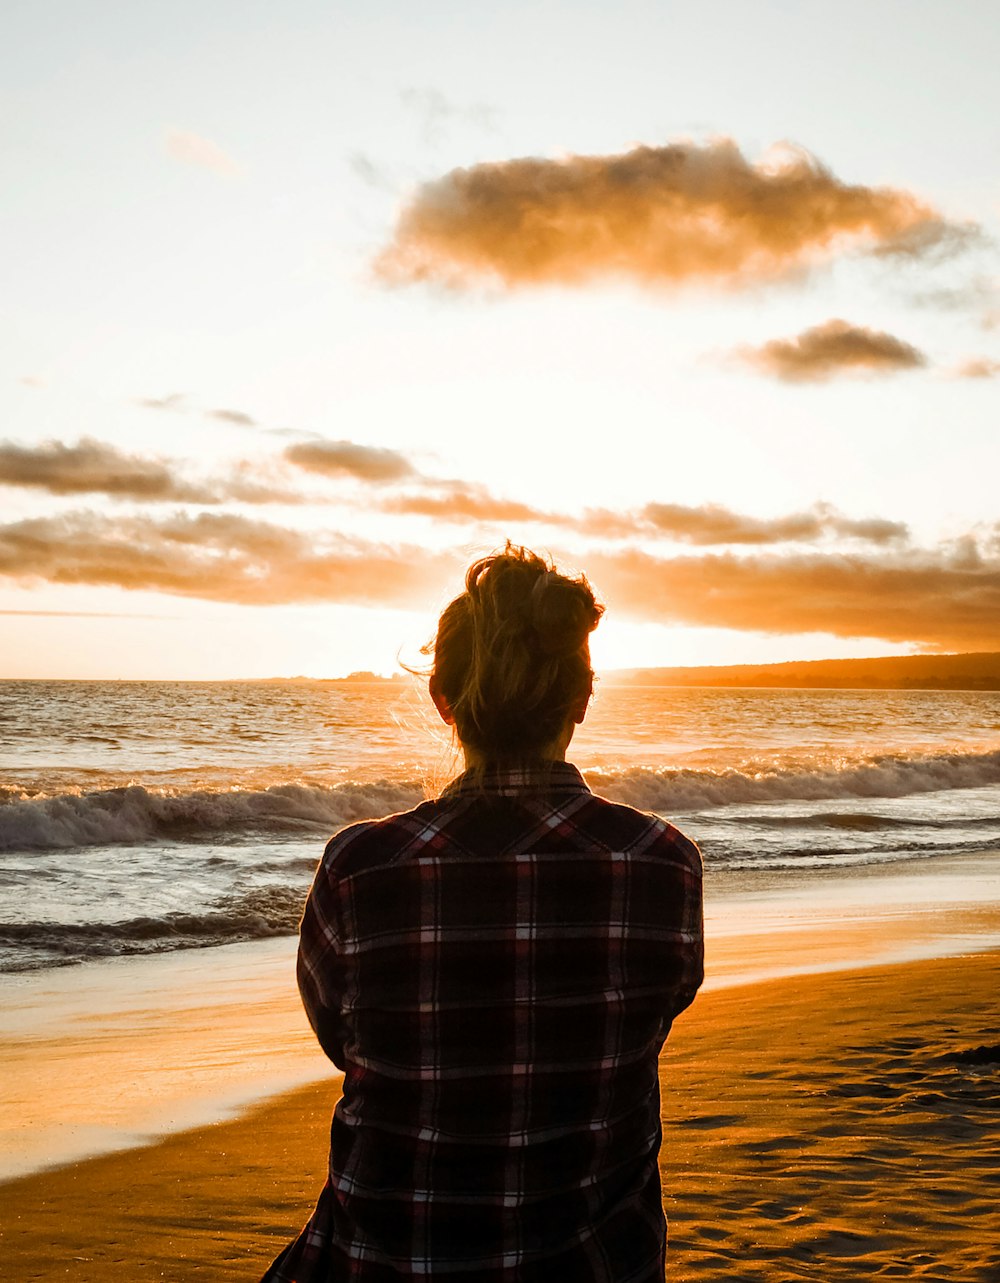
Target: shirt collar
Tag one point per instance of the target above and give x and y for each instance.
(521, 781)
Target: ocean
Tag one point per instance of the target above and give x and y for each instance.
(151, 817)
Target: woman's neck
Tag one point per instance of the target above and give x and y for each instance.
(554, 752)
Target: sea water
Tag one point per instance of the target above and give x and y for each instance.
(147, 817)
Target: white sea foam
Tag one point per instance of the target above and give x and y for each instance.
(257, 915)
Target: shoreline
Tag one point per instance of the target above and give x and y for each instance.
(798, 1144)
(113, 1055)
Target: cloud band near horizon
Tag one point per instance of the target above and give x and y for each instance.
(947, 598)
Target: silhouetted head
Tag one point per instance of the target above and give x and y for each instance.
(512, 658)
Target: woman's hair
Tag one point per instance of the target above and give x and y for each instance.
(511, 655)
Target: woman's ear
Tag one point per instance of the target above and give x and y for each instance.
(440, 703)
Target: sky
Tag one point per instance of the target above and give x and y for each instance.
(307, 306)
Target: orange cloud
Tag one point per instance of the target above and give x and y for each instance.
(221, 557)
(662, 216)
(347, 458)
(707, 524)
(713, 524)
(461, 501)
(947, 598)
(836, 347)
(940, 599)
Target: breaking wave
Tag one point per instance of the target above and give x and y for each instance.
(135, 814)
(683, 789)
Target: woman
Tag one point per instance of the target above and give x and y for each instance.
(496, 972)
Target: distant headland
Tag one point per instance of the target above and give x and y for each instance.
(976, 671)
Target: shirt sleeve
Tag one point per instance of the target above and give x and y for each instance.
(320, 966)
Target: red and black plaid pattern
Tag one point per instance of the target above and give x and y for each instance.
(495, 972)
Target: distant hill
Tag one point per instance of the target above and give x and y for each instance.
(979, 671)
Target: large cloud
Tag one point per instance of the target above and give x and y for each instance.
(220, 557)
(835, 347)
(660, 215)
(94, 467)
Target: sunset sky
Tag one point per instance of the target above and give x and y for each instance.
(306, 305)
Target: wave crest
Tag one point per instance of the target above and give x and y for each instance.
(135, 814)
(684, 789)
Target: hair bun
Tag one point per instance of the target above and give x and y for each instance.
(560, 615)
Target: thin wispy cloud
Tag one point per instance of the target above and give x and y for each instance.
(193, 149)
(713, 524)
(467, 502)
(962, 296)
(661, 216)
(704, 525)
(371, 174)
(349, 459)
(977, 367)
(177, 402)
(436, 112)
(239, 418)
(173, 401)
(830, 350)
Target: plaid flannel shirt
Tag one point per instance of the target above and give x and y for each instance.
(495, 972)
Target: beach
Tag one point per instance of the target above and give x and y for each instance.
(830, 1101)
(164, 1106)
